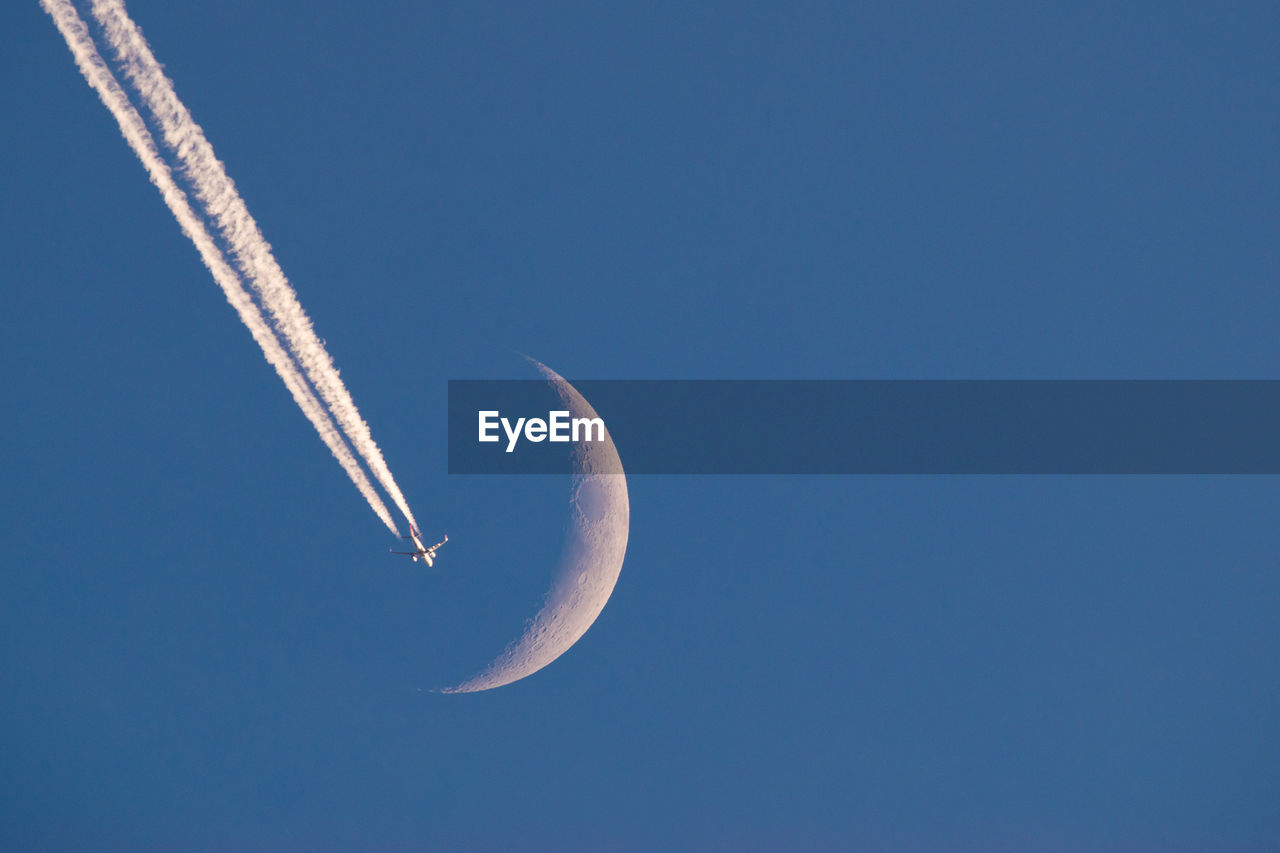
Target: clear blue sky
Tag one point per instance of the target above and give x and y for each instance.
(203, 644)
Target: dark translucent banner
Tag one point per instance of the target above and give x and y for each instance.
(876, 427)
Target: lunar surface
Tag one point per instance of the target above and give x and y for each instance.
(596, 542)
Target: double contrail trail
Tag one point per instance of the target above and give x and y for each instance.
(222, 205)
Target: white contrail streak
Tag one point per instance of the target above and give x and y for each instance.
(135, 132)
(224, 206)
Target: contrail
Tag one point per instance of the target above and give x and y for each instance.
(135, 132)
(252, 254)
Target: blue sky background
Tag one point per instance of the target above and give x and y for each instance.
(203, 644)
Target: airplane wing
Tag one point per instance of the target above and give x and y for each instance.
(404, 553)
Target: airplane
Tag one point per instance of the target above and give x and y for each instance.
(421, 552)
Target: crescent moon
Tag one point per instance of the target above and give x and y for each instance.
(594, 548)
